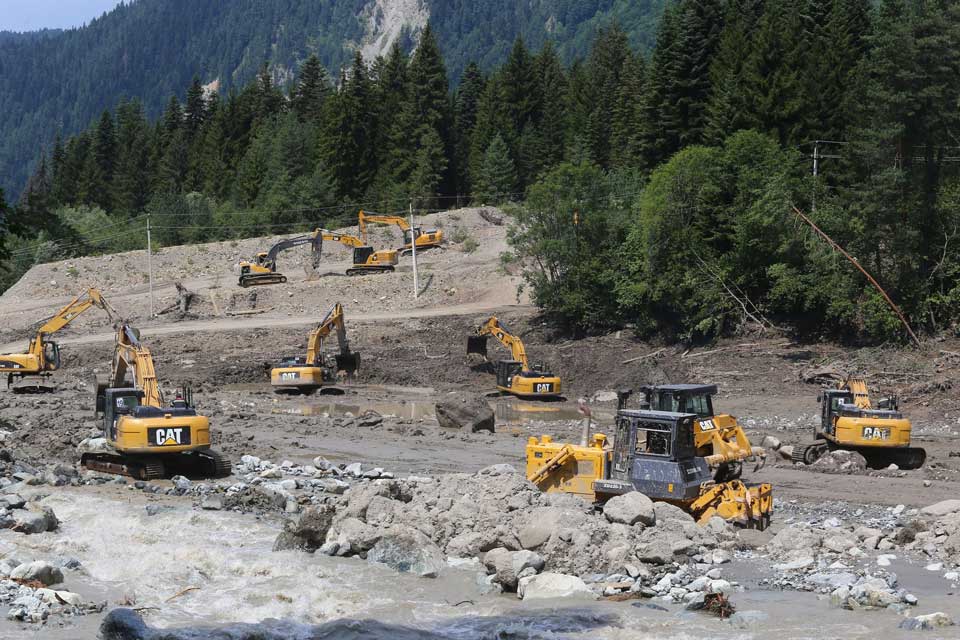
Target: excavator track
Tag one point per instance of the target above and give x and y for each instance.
(357, 271)
(256, 280)
(140, 468)
(809, 453)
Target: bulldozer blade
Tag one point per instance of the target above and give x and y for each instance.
(350, 363)
(477, 344)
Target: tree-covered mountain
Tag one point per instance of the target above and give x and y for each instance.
(60, 81)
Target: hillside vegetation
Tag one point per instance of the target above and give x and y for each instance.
(651, 191)
(60, 81)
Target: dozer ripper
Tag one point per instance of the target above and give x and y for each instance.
(515, 376)
(366, 259)
(147, 437)
(305, 375)
(419, 237)
(43, 355)
(718, 438)
(263, 269)
(653, 452)
(849, 421)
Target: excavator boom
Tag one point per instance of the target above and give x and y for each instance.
(422, 238)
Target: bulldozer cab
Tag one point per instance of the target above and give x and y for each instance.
(681, 398)
(506, 370)
(654, 453)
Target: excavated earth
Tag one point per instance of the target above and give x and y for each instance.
(413, 355)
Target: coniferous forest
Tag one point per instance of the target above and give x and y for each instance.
(651, 190)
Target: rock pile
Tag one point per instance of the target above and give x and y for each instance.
(26, 588)
(519, 535)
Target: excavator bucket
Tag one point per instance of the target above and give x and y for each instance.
(348, 362)
(477, 344)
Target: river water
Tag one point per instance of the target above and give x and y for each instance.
(222, 566)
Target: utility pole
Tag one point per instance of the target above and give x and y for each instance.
(816, 173)
(413, 249)
(150, 264)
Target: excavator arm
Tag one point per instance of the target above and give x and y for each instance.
(66, 315)
(132, 355)
(314, 239)
(493, 327)
(363, 218)
(342, 238)
(858, 387)
(333, 321)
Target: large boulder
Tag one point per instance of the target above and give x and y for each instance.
(796, 537)
(467, 411)
(840, 461)
(36, 519)
(630, 508)
(942, 508)
(39, 571)
(408, 551)
(508, 565)
(307, 531)
(927, 622)
(354, 534)
(547, 586)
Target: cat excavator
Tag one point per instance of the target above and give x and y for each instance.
(366, 259)
(43, 355)
(305, 375)
(653, 452)
(423, 238)
(263, 269)
(717, 437)
(848, 420)
(147, 437)
(515, 376)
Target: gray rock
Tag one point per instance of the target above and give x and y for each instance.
(38, 570)
(659, 551)
(928, 621)
(942, 508)
(507, 565)
(786, 452)
(307, 531)
(408, 551)
(770, 442)
(181, 483)
(630, 509)
(212, 502)
(548, 586)
(35, 520)
(332, 485)
(467, 411)
(355, 469)
(664, 512)
(840, 461)
(831, 581)
(354, 534)
(752, 538)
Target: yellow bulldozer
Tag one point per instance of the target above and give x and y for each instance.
(417, 236)
(718, 438)
(43, 355)
(515, 376)
(305, 375)
(653, 452)
(849, 421)
(149, 438)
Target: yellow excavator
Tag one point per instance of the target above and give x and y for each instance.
(417, 236)
(366, 259)
(717, 437)
(263, 269)
(654, 453)
(849, 421)
(43, 355)
(515, 376)
(305, 375)
(147, 437)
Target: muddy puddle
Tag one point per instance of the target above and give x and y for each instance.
(188, 568)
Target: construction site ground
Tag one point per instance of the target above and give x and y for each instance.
(413, 354)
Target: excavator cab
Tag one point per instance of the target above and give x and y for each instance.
(51, 355)
(506, 370)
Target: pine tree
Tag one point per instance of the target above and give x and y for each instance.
(429, 170)
(59, 187)
(349, 140)
(267, 97)
(492, 120)
(607, 58)
(698, 38)
(131, 183)
(465, 120)
(519, 81)
(311, 91)
(98, 167)
(195, 111)
(627, 127)
(429, 86)
(498, 175)
(172, 119)
(35, 206)
(552, 118)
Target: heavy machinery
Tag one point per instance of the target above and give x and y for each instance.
(417, 236)
(515, 376)
(147, 437)
(849, 421)
(654, 453)
(305, 375)
(263, 269)
(366, 259)
(43, 355)
(717, 437)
